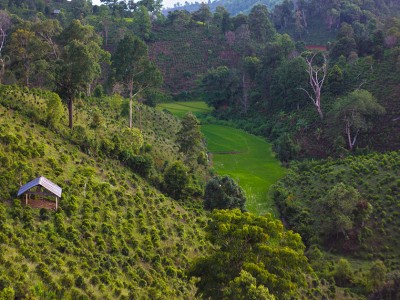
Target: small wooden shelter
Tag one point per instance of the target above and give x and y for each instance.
(40, 189)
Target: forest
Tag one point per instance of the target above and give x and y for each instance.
(85, 97)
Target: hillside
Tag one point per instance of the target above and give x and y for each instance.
(367, 231)
(234, 7)
(184, 52)
(115, 235)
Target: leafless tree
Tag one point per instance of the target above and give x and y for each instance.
(317, 75)
(5, 24)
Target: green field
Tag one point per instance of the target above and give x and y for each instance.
(179, 109)
(244, 157)
(248, 159)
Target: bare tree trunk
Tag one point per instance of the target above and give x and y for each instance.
(130, 104)
(70, 112)
(245, 95)
(140, 117)
(351, 141)
(2, 68)
(317, 77)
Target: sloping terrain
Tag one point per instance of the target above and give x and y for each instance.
(183, 54)
(115, 236)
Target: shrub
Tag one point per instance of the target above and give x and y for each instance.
(343, 273)
(222, 193)
(176, 179)
(141, 164)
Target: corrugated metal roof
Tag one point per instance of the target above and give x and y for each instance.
(44, 182)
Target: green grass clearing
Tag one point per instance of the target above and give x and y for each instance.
(249, 160)
(179, 109)
(246, 158)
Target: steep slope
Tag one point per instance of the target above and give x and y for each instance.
(184, 53)
(115, 236)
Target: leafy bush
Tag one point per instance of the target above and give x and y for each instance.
(176, 180)
(223, 193)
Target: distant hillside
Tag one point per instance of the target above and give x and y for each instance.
(182, 55)
(234, 7)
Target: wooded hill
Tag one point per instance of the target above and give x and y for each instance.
(76, 107)
(257, 76)
(234, 7)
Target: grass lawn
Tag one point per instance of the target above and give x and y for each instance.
(249, 160)
(179, 109)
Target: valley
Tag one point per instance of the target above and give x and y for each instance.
(234, 150)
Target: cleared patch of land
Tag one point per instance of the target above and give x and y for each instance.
(179, 109)
(246, 158)
(249, 160)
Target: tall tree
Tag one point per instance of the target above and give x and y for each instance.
(48, 30)
(287, 78)
(79, 63)
(142, 23)
(133, 68)
(5, 24)
(260, 25)
(354, 111)
(25, 49)
(189, 137)
(340, 210)
(221, 19)
(317, 72)
(203, 14)
(221, 87)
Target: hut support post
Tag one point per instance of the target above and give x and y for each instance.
(56, 203)
(26, 199)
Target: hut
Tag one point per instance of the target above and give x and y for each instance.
(40, 190)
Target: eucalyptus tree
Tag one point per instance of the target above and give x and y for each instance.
(317, 72)
(5, 24)
(80, 62)
(25, 48)
(355, 111)
(260, 25)
(132, 67)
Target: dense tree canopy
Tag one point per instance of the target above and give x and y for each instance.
(266, 258)
(79, 62)
(340, 211)
(355, 111)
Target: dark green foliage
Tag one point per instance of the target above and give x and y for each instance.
(260, 25)
(189, 137)
(288, 78)
(223, 193)
(141, 164)
(176, 180)
(314, 201)
(286, 148)
(257, 248)
(340, 211)
(221, 87)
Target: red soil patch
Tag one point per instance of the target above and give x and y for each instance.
(316, 47)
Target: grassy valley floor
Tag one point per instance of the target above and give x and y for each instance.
(246, 158)
(249, 160)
